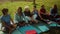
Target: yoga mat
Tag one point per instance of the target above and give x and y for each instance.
(28, 27)
(42, 27)
(16, 32)
(54, 24)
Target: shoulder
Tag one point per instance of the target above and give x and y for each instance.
(8, 16)
(2, 17)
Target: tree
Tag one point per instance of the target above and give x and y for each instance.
(34, 2)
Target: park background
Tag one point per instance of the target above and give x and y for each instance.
(12, 5)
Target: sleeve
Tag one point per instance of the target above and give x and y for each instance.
(34, 16)
(25, 18)
(15, 19)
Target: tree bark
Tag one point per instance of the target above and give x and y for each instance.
(34, 2)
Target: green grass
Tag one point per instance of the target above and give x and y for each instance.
(12, 6)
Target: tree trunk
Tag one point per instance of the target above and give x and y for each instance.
(34, 2)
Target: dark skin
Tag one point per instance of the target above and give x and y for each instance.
(19, 11)
(4, 24)
(31, 17)
(41, 12)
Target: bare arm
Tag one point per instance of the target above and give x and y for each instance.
(5, 25)
(12, 20)
(40, 15)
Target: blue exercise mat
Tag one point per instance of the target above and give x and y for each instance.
(29, 27)
(57, 18)
(42, 27)
(54, 24)
(16, 32)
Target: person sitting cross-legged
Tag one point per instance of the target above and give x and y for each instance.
(6, 21)
(54, 13)
(43, 14)
(35, 13)
(19, 17)
(29, 15)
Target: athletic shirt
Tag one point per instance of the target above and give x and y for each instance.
(6, 19)
(42, 11)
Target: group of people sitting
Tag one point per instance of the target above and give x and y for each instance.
(27, 17)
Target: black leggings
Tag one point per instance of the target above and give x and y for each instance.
(53, 18)
(45, 16)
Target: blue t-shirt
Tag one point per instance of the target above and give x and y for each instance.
(6, 19)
